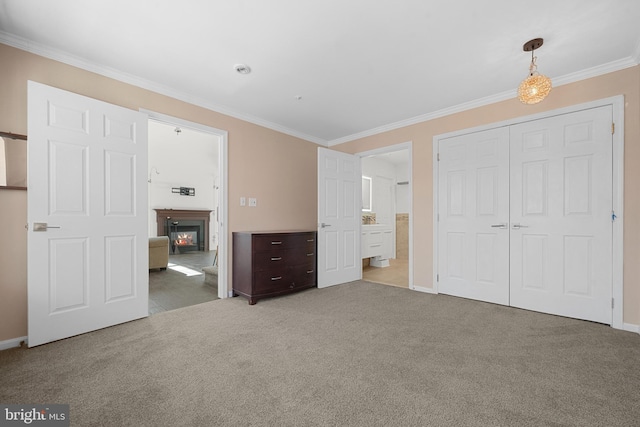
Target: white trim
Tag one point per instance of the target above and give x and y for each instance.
(75, 61)
(617, 103)
(636, 55)
(12, 343)
(223, 163)
(629, 327)
(599, 70)
(434, 163)
(66, 58)
(388, 149)
(425, 290)
(618, 206)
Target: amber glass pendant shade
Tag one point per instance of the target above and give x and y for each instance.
(536, 86)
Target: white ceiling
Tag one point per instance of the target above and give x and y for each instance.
(360, 66)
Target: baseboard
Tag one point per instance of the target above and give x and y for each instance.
(14, 342)
(631, 328)
(425, 290)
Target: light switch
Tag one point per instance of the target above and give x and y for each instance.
(253, 201)
(243, 201)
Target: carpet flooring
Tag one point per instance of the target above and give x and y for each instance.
(358, 354)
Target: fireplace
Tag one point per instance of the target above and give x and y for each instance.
(188, 230)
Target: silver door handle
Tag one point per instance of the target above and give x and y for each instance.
(323, 225)
(42, 226)
(517, 226)
(501, 226)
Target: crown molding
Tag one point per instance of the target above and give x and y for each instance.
(426, 117)
(60, 56)
(609, 67)
(636, 56)
(596, 71)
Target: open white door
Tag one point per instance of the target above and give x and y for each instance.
(339, 217)
(87, 239)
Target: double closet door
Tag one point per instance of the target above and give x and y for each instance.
(525, 215)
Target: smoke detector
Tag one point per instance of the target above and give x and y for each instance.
(242, 68)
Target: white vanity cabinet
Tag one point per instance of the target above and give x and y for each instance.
(377, 241)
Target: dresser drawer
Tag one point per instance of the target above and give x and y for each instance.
(267, 242)
(269, 260)
(290, 278)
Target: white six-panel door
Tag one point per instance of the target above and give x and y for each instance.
(550, 185)
(561, 204)
(473, 235)
(339, 217)
(87, 198)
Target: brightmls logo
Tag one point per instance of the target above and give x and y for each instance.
(36, 415)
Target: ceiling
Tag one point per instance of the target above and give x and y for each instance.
(329, 71)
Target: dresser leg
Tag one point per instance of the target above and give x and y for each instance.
(252, 301)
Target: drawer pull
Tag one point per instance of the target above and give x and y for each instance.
(309, 271)
(291, 286)
(276, 278)
(275, 242)
(276, 258)
(311, 240)
(311, 254)
(375, 246)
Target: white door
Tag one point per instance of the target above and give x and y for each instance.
(339, 217)
(88, 258)
(473, 234)
(561, 225)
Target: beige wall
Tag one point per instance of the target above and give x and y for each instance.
(625, 82)
(278, 169)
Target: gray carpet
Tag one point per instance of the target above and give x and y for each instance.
(171, 289)
(359, 354)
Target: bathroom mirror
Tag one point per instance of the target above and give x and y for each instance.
(366, 194)
(13, 161)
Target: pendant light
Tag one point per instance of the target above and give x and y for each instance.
(536, 86)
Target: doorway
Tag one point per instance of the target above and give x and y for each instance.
(386, 216)
(187, 196)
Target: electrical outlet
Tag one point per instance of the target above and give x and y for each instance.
(243, 201)
(253, 201)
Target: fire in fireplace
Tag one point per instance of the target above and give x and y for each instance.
(188, 238)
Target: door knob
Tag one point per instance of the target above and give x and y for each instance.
(518, 226)
(323, 225)
(501, 225)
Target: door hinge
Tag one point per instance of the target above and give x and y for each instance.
(437, 277)
(612, 303)
(613, 216)
(438, 156)
(613, 128)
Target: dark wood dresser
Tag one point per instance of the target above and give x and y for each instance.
(267, 264)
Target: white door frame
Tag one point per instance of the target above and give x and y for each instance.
(388, 149)
(223, 163)
(617, 103)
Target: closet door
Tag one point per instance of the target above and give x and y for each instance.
(561, 204)
(473, 234)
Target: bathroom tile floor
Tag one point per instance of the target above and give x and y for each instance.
(397, 274)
